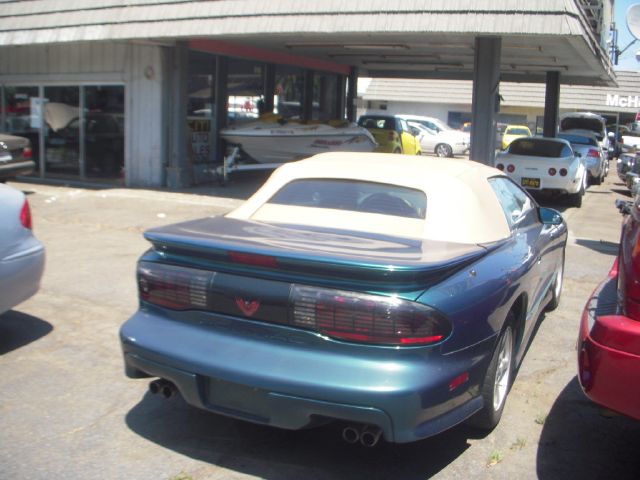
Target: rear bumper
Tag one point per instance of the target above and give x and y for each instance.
(609, 353)
(248, 371)
(13, 169)
(20, 275)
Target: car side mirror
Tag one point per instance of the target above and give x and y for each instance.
(549, 216)
(577, 154)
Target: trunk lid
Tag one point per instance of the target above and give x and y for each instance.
(311, 255)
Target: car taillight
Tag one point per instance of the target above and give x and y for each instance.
(392, 136)
(593, 153)
(552, 171)
(563, 172)
(25, 215)
(174, 287)
(27, 152)
(511, 168)
(500, 166)
(364, 318)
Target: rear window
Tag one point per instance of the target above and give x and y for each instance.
(356, 196)
(539, 148)
(578, 139)
(517, 131)
(383, 123)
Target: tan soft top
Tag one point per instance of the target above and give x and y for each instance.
(461, 205)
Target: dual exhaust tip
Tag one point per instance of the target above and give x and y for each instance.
(367, 435)
(163, 387)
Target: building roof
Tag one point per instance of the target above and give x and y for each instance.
(416, 38)
(572, 97)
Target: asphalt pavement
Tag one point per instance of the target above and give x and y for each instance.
(67, 411)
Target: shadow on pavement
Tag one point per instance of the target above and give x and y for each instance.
(272, 453)
(19, 329)
(579, 441)
(600, 246)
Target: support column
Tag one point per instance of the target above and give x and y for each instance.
(307, 97)
(221, 108)
(269, 87)
(486, 99)
(178, 169)
(551, 104)
(340, 96)
(352, 93)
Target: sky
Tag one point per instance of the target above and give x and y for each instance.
(627, 61)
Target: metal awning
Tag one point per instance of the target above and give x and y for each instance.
(412, 39)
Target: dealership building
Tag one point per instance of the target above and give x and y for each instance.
(520, 103)
(136, 92)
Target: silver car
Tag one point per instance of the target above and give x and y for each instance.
(22, 256)
(586, 145)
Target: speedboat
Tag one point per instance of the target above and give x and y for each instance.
(273, 142)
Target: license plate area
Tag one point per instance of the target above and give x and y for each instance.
(237, 400)
(528, 182)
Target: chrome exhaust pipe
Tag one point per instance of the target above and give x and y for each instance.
(155, 386)
(370, 436)
(168, 390)
(165, 387)
(351, 434)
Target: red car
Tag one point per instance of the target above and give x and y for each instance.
(609, 339)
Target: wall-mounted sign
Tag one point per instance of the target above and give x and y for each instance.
(623, 101)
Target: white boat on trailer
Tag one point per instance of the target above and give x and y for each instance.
(272, 142)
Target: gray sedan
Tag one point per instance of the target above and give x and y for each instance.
(586, 145)
(16, 156)
(22, 255)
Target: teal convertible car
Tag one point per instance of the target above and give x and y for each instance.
(393, 293)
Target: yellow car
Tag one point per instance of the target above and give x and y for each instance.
(512, 132)
(392, 134)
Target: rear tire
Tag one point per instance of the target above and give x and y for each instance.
(498, 379)
(556, 287)
(397, 150)
(576, 198)
(444, 150)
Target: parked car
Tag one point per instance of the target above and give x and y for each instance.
(609, 337)
(626, 162)
(21, 253)
(589, 122)
(391, 133)
(511, 132)
(586, 145)
(441, 143)
(16, 157)
(545, 165)
(337, 291)
(449, 142)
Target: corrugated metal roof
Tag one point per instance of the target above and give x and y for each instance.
(572, 97)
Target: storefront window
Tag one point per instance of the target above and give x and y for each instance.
(289, 92)
(245, 90)
(325, 97)
(21, 117)
(104, 131)
(200, 105)
(62, 130)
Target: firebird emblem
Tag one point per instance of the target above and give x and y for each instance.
(248, 308)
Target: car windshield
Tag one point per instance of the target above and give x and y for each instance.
(578, 139)
(537, 147)
(357, 196)
(517, 131)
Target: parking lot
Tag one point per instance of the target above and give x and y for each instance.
(67, 411)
